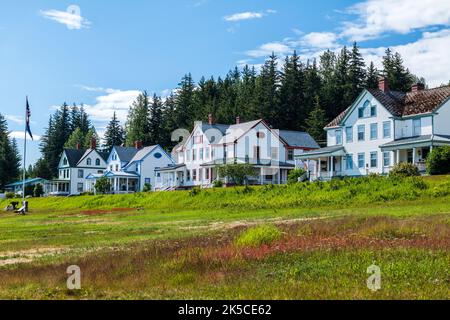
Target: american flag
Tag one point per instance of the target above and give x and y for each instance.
(28, 120)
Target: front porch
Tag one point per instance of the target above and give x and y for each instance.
(57, 188)
(121, 182)
(323, 164)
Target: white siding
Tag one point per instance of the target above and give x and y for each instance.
(442, 120)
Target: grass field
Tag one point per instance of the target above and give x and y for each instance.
(307, 241)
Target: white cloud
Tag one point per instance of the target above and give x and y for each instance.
(249, 15)
(20, 135)
(15, 119)
(71, 18)
(267, 49)
(377, 17)
(114, 100)
(320, 40)
(427, 57)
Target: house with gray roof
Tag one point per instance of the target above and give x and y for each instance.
(380, 129)
(271, 153)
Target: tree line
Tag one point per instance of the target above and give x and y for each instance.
(295, 95)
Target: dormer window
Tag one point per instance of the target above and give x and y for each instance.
(367, 110)
(89, 161)
(97, 162)
(65, 161)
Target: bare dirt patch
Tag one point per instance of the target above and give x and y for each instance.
(27, 256)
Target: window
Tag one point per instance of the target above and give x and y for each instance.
(188, 155)
(89, 161)
(417, 127)
(349, 134)
(274, 153)
(361, 110)
(198, 139)
(260, 135)
(257, 153)
(290, 155)
(200, 174)
(194, 175)
(386, 159)
(80, 188)
(207, 174)
(100, 171)
(194, 154)
(201, 154)
(97, 162)
(386, 129)
(137, 168)
(157, 155)
(65, 161)
(373, 111)
(117, 167)
(81, 174)
(361, 132)
(207, 153)
(338, 137)
(374, 131)
(374, 159)
(148, 180)
(110, 168)
(349, 162)
(188, 175)
(361, 160)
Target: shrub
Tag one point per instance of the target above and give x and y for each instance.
(237, 173)
(147, 187)
(10, 195)
(438, 161)
(103, 185)
(404, 169)
(218, 184)
(296, 175)
(257, 236)
(38, 190)
(195, 191)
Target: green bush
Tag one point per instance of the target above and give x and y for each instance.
(102, 185)
(147, 187)
(38, 191)
(438, 161)
(218, 184)
(295, 175)
(404, 169)
(10, 195)
(257, 236)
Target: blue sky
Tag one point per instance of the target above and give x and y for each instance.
(103, 54)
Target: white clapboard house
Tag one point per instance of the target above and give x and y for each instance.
(129, 169)
(380, 129)
(271, 152)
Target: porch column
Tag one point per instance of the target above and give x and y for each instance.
(128, 181)
(331, 167)
(319, 168)
(279, 176)
(262, 176)
(398, 156)
(414, 155)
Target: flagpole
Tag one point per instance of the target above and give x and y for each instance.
(24, 157)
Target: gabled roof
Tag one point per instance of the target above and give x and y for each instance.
(401, 104)
(74, 156)
(126, 153)
(298, 139)
(221, 127)
(235, 131)
(27, 182)
(103, 155)
(142, 153)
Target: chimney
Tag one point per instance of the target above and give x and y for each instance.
(78, 146)
(138, 144)
(383, 84)
(238, 120)
(93, 143)
(210, 119)
(418, 87)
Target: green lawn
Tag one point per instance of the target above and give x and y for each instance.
(185, 244)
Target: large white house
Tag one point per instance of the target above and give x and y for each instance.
(129, 169)
(209, 145)
(380, 129)
(74, 166)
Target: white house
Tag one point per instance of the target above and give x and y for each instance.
(74, 166)
(209, 145)
(129, 169)
(380, 129)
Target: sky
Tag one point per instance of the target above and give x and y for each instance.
(102, 53)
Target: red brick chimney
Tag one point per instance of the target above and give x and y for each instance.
(418, 87)
(93, 143)
(238, 120)
(210, 119)
(383, 84)
(78, 146)
(138, 144)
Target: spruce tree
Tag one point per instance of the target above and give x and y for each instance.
(316, 122)
(372, 77)
(137, 126)
(185, 108)
(357, 73)
(155, 122)
(267, 86)
(114, 134)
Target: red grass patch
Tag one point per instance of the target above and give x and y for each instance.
(103, 212)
